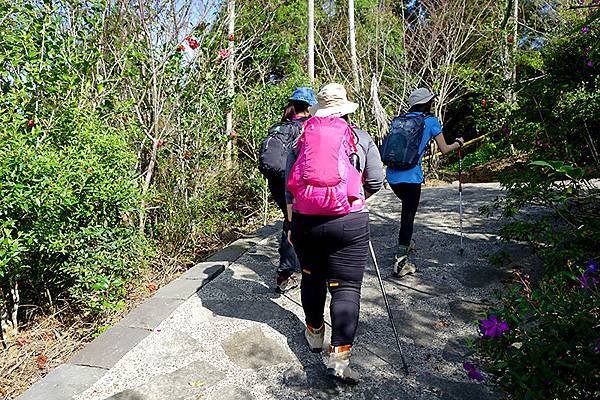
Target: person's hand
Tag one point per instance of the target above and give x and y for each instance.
(460, 141)
(289, 237)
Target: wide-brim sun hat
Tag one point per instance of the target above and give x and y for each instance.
(420, 96)
(304, 94)
(332, 99)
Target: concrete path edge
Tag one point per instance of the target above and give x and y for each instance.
(90, 364)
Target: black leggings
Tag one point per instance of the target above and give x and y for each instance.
(410, 195)
(333, 254)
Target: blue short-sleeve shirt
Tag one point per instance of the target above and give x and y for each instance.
(415, 175)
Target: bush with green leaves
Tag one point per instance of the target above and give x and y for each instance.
(552, 346)
(69, 193)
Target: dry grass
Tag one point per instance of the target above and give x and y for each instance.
(43, 344)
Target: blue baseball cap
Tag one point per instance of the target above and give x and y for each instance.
(304, 94)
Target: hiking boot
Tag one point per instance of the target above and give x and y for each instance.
(286, 283)
(402, 264)
(314, 338)
(338, 365)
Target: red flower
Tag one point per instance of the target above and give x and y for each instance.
(160, 143)
(224, 54)
(231, 37)
(510, 38)
(31, 123)
(484, 102)
(181, 47)
(193, 43)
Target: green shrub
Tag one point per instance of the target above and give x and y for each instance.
(69, 191)
(69, 211)
(551, 349)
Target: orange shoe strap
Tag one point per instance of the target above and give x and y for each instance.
(340, 349)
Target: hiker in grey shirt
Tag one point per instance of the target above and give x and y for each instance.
(333, 248)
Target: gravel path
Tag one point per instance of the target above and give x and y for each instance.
(236, 339)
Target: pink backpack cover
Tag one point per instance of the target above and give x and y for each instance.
(322, 180)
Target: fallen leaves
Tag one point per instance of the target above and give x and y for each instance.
(47, 337)
(41, 361)
(152, 287)
(442, 324)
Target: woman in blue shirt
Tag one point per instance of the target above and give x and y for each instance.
(407, 184)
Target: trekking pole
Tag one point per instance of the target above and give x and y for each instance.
(387, 306)
(460, 206)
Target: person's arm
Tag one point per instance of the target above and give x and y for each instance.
(289, 198)
(373, 172)
(447, 148)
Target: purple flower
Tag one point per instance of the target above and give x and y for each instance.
(591, 267)
(587, 282)
(589, 64)
(472, 372)
(585, 29)
(547, 382)
(491, 327)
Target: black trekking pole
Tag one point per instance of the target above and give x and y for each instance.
(387, 306)
(460, 207)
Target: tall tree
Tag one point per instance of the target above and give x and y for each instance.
(231, 81)
(311, 41)
(353, 55)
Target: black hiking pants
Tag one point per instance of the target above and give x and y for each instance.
(333, 254)
(288, 261)
(410, 195)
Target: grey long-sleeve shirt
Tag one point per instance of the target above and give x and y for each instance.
(370, 164)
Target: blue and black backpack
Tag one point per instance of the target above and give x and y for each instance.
(400, 148)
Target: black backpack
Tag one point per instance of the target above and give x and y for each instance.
(400, 148)
(272, 157)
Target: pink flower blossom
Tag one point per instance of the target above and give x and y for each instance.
(224, 54)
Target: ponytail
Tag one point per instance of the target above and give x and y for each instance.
(293, 107)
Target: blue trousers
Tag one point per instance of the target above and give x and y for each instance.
(288, 261)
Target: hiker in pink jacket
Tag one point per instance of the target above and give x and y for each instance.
(331, 171)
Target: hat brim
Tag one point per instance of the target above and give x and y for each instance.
(424, 100)
(319, 111)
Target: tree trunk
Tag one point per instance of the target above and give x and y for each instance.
(231, 85)
(510, 50)
(353, 56)
(9, 309)
(515, 44)
(311, 41)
